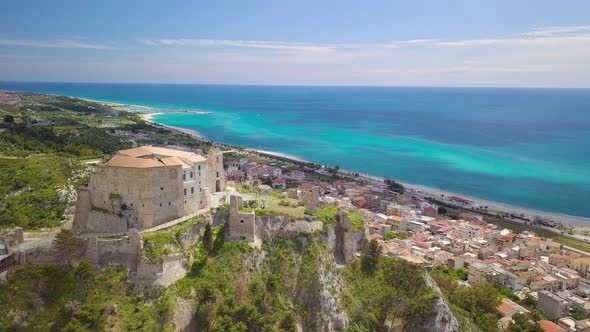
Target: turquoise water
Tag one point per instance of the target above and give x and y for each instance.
(527, 147)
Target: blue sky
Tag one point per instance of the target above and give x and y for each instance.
(417, 43)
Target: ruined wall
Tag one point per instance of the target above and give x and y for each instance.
(82, 211)
(311, 199)
(159, 273)
(124, 251)
(220, 217)
(38, 255)
(241, 226)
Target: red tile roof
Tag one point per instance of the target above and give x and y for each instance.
(549, 326)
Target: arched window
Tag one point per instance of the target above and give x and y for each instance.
(192, 190)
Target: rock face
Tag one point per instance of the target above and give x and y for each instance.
(444, 321)
(273, 227)
(329, 298)
(184, 315)
(344, 240)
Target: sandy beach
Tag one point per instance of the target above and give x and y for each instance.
(149, 117)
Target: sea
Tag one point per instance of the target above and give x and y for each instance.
(523, 147)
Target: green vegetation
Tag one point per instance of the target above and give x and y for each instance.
(30, 189)
(521, 323)
(459, 274)
(54, 298)
(231, 296)
(402, 235)
(473, 306)
(282, 206)
(159, 244)
(395, 186)
(65, 245)
(245, 189)
(357, 218)
(393, 292)
(327, 214)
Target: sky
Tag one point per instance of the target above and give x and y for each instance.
(525, 43)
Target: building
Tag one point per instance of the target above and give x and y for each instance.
(147, 186)
(552, 304)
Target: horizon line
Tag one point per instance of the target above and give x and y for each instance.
(308, 85)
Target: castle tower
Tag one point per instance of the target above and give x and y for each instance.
(215, 172)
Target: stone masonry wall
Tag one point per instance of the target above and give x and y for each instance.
(242, 226)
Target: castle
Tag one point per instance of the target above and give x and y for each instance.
(147, 186)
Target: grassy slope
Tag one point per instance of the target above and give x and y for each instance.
(50, 298)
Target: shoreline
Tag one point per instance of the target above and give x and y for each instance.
(578, 222)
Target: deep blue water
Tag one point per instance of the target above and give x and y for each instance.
(527, 147)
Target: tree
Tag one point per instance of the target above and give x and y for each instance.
(442, 210)
(65, 245)
(520, 323)
(370, 256)
(395, 186)
(208, 238)
(9, 118)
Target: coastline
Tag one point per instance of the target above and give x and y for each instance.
(493, 206)
(149, 117)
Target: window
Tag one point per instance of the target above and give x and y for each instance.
(160, 204)
(184, 191)
(199, 167)
(192, 190)
(131, 204)
(200, 189)
(217, 158)
(169, 203)
(191, 175)
(161, 188)
(184, 177)
(241, 221)
(217, 173)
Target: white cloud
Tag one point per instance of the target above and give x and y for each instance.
(53, 44)
(547, 36)
(521, 41)
(551, 31)
(271, 45)
(283, 45)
